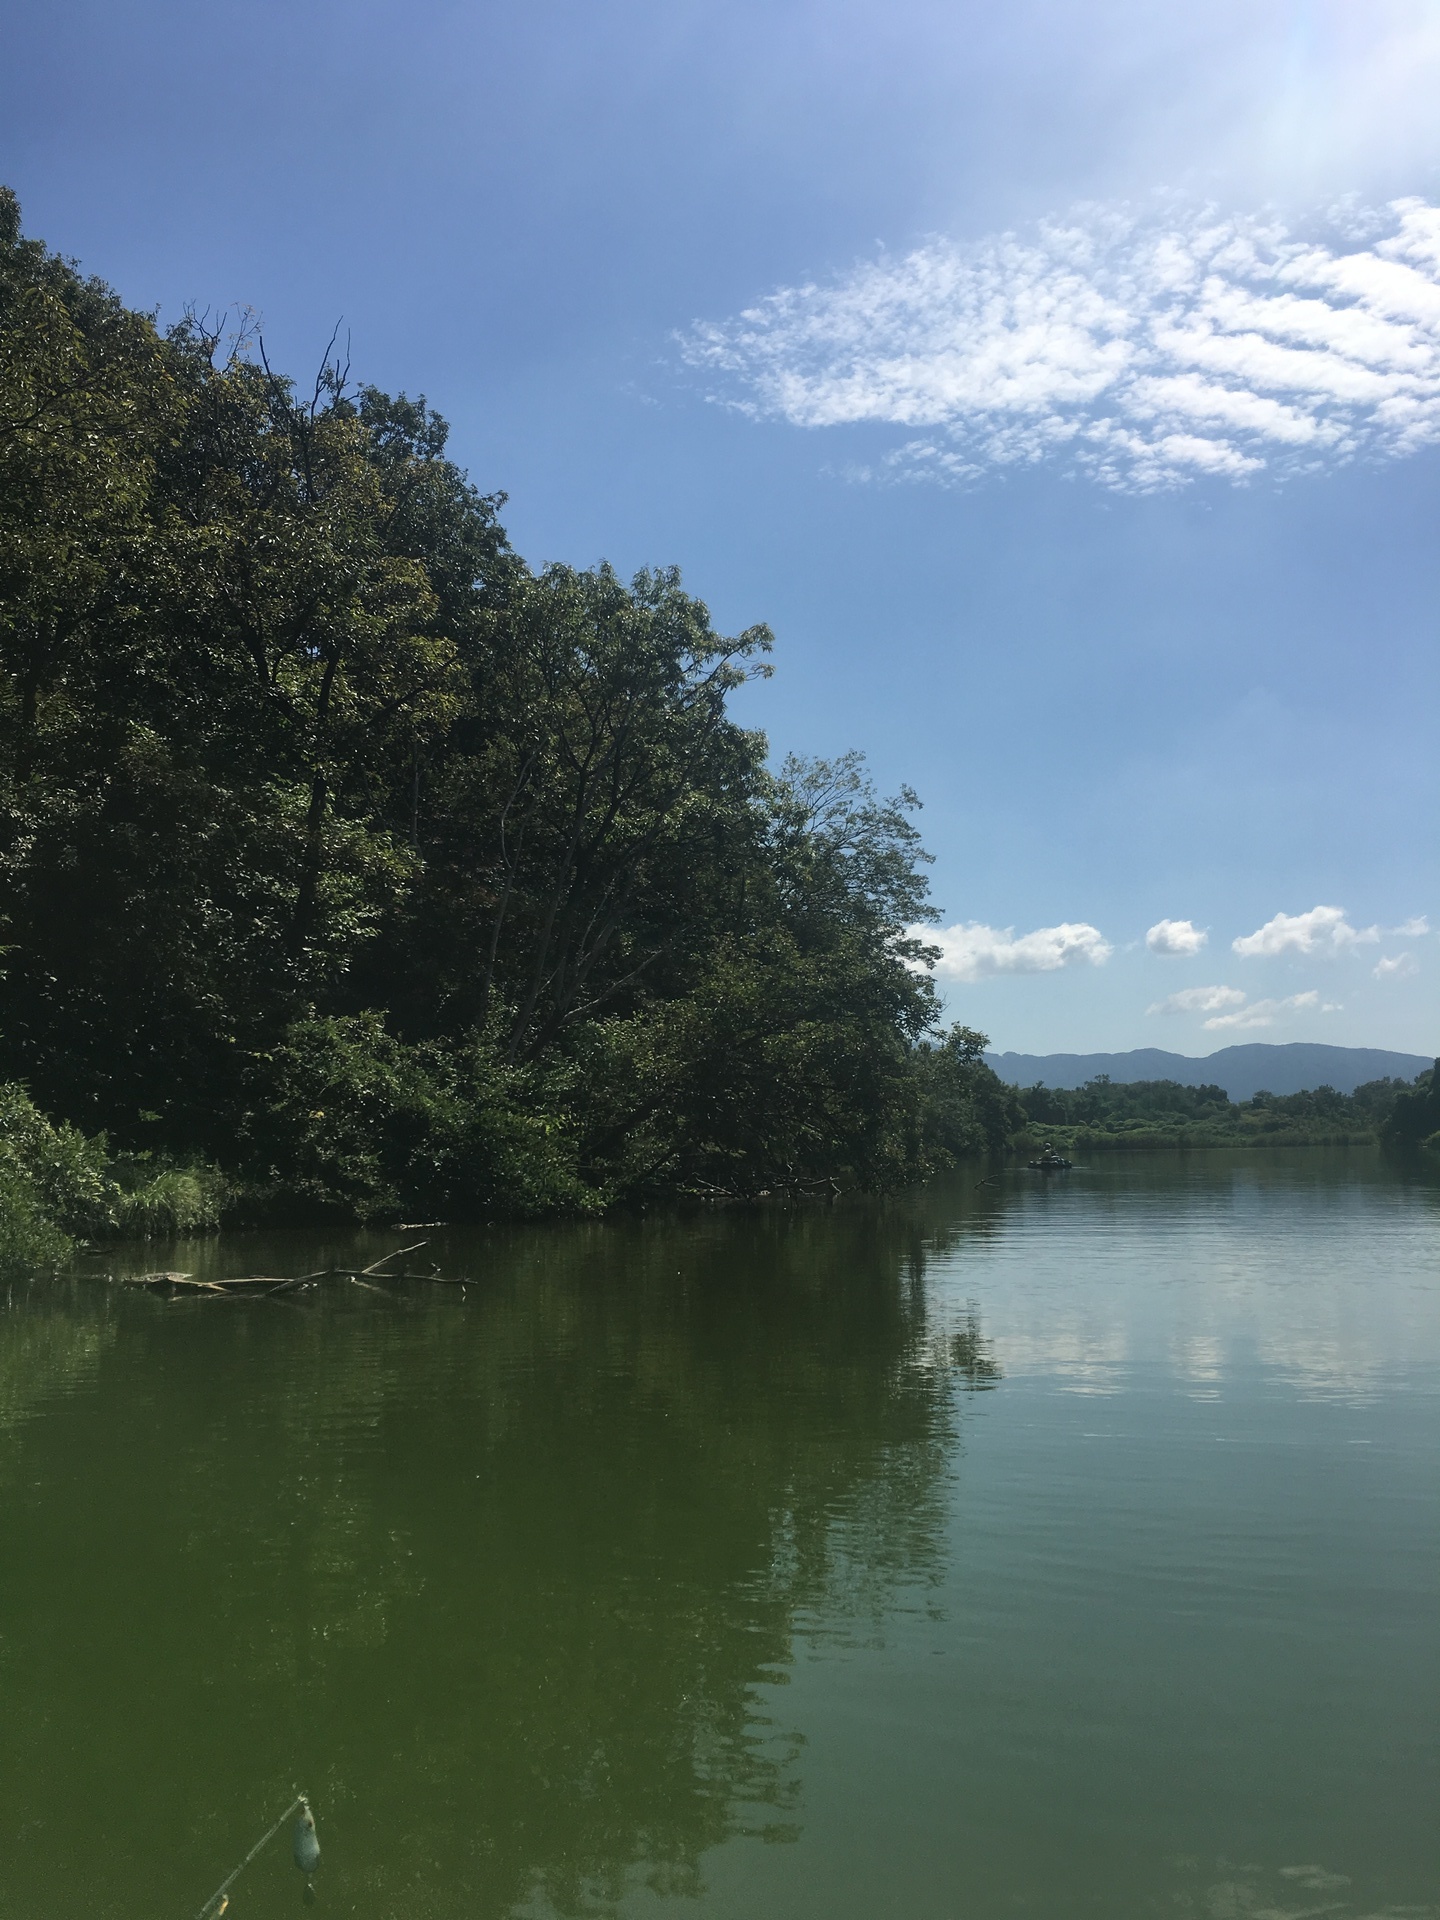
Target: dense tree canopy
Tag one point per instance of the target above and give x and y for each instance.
(1414, 1117)
(340, 847)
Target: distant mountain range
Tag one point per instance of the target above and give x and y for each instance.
(1242, 1071)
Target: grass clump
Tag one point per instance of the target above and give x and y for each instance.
(168, 1202)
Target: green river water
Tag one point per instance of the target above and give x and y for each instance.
(1054, 1548)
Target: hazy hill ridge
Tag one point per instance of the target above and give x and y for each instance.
(1241, 1071)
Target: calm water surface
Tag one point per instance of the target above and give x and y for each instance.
(1065, 1548)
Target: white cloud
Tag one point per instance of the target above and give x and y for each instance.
(1140, 350)
(977, 952)
(1413, 929)
(1199, 1000)
(1321, 930)
(1263, 1013)
(1397, 966)
(1176, 936)
(1231, 1010)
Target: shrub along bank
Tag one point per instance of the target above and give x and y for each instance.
(57, 1185)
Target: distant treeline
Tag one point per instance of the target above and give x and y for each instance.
(343, 852)
(1140, 1113)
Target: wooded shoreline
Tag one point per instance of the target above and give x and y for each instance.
(355, 871)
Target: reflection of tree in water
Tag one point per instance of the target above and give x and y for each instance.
(502, 1580)
(973, 1356)
(46, 1352)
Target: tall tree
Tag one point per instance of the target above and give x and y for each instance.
(339, 845)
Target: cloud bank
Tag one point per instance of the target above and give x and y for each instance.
(1178, 937)
(1200, 1000)
(1321, 930)
(1262, 1013)
(978, 952)
(1232, 1010)
(1143, 351)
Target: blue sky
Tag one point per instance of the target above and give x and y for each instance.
(1061, 382)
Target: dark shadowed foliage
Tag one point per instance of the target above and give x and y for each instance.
(344, 852)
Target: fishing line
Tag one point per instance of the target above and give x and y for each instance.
(307, 1853)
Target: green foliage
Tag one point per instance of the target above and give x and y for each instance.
(1101, 1103)
(965, 1108)
(341, 849)
(66, 1175)
(1165, 1113)
(54, 1183)
(169, 1202)
(360, 1124)
(57, 1184)
(30, 1242)
(1414, 1117)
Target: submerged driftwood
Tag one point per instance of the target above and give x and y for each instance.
(259, 1285)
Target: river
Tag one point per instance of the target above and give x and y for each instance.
(1054, 1547)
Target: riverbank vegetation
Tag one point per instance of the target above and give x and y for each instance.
(345, 852)
(1162, 1113)
(1412, 1121)
(57, 1185)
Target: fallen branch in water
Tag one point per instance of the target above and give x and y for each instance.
(399, 1251)
(261, 1285)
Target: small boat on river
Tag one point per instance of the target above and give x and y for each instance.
(1050, 1162)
